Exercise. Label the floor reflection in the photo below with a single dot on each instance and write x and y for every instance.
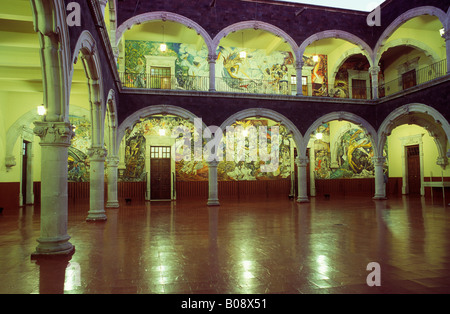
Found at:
(243, 246)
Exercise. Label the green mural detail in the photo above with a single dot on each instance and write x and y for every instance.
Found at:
(78, 162)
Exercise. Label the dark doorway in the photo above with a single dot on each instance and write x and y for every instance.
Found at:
(413, 160)
(160, 178)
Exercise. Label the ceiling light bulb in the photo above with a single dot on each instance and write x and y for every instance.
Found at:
(163, 47)
(41, 110)
(242, 54)
(319, 136)
(245, 133)
(162, 132)
(316, 58)
(442, 31)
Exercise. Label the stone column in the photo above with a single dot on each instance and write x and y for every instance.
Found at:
(299, 69)
(212, 72)
(302, 162)
(97, 187)
(213, 198)
(374, 75)
(446, 36)
(103, 4)
(380, 184)
(113, 163)
(55, 140)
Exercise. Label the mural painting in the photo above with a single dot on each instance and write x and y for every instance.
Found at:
(256, 73)
(78, 161)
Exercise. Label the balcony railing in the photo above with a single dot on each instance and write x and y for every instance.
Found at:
(283, 87)
(414, 78)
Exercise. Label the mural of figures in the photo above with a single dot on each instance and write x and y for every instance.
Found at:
(341, 83)
(256, 73)
(352, 157)
(192, 169)
(78, 161)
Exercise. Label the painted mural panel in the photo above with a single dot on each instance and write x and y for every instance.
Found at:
(352, 157)
(256, 73)
(78, 161)
(192, 169)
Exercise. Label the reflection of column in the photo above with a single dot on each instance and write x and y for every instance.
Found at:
(380, 184)
(212, 72)
(374, 75)
(97, 187)
(299, 68)
(55, 140)
(213, 198)
(52, 274)
(302, 162)
(446, 36)
(113, 163)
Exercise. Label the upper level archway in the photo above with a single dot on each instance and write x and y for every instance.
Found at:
(165, 16)
(256, 25)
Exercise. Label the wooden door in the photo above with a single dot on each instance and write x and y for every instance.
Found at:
(160, 178)
(413, 160)
(359, 89)
(409, 79)
(25, 154)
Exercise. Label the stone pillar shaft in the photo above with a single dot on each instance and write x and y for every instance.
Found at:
(97, 187)
(212, 72)
(302, 162)
(113, 163)
(213, 195)
(380, 184)
(55, 140)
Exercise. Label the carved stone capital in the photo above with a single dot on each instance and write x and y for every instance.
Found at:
(213, 163)
(112, 161)
(10, 161)
(97, 154)
(54, 133)
(442, 161)
(301, 161)
(378, 161)
(212, 58)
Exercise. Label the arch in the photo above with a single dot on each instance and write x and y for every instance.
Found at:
(164, 16)
(343, 115)
(341, 61)
(13, 133)
(338, 34)
(424, 10)
(409, 42)
(152, 110)
(266, 113)
(425, 116)
(87, 46)
(255, 25)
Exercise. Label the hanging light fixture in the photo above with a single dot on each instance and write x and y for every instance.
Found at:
(163, 46)
(319, 136)
(162, 132)
(442, 31)
(242, 54)
(315, 56)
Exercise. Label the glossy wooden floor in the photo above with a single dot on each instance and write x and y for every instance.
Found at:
(244, 246)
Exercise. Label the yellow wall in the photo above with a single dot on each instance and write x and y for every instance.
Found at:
(430, 153)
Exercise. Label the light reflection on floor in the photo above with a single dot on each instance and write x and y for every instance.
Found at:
(243, 246)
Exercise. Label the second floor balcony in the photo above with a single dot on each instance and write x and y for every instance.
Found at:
(355, 88)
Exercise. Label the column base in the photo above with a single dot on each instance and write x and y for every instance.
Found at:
(96, 216)
(213, 203)
(302, 200)
(53, 247)
(379, 197)
(112, 204)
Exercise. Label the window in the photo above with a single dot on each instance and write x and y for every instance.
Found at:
(160, 152)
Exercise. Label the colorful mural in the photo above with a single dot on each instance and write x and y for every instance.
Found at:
(341, 83)
(256, 73)
(353, 156)
(78, 162)
(197, 170)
